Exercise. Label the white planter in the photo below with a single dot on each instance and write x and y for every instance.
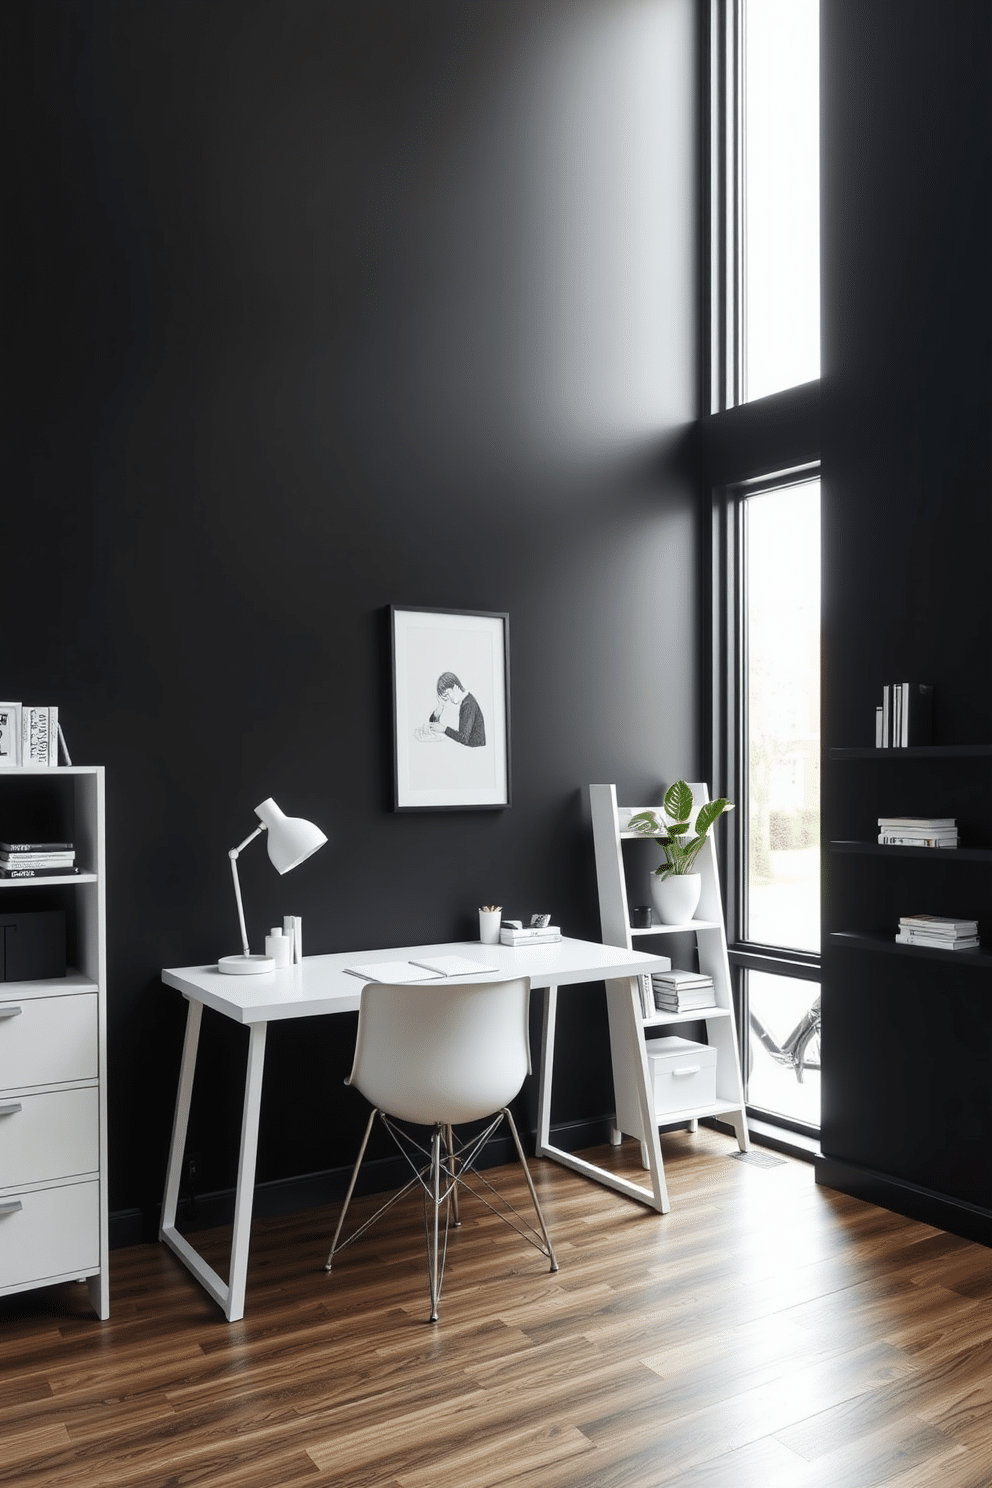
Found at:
(676, 897)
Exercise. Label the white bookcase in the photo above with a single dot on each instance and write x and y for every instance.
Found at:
(711, 946)
(53, 1062)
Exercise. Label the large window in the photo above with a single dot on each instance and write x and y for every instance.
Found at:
(779, 716)
(765, 316)
(780, 257)
(781, 737)
(765, 198)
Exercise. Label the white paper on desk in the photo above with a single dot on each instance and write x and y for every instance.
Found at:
(392, 971)
(450, 966)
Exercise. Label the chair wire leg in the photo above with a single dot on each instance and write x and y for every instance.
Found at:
(533, 1190)
(432, 1255)
(449, 1137)
(351, 1187)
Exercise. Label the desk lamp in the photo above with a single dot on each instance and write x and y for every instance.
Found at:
(291, 841)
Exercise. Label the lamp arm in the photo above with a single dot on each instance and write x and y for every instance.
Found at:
(233, 855)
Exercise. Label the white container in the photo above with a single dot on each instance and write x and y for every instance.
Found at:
(683, 1074)
(489, 923)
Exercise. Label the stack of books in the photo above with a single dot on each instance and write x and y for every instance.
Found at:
(36, 859)
(678, 991)
(527, 935)
(939, 931)
(918, 831)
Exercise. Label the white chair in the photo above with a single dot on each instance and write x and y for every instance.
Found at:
(437, 1055)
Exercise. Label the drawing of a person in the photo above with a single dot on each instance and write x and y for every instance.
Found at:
(471, 729)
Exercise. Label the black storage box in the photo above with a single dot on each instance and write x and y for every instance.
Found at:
(32, 945)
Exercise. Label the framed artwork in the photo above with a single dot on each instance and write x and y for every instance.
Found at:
(451, 709)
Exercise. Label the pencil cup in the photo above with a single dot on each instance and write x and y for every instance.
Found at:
(489, 923)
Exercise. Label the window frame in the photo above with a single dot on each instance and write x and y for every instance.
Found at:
(730, 734)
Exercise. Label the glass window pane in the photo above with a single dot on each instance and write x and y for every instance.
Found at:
(782, 732)
(781, 219)
(784, 1046)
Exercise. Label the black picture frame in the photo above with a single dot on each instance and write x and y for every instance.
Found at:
(451, 708)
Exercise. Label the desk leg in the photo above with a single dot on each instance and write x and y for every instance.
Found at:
(229, 1294)
(180, 1123)
(245, 1194)
(549, 1017)
(625, 1030)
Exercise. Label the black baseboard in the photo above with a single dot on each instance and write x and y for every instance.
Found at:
(943, 1212)
(310, 1190)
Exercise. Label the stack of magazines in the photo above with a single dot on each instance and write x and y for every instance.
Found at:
(37, 859)
(678, 991)
(939, 931)
(918, 831)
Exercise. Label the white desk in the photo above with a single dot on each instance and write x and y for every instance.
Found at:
(321, 985)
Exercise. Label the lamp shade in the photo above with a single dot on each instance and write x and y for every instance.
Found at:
(291, 839)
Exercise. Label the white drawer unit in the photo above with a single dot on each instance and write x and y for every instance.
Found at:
(53, 1053)
(683, 1074)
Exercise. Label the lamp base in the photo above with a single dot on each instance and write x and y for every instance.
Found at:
(245, 965)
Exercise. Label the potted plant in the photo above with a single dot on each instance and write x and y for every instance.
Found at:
(675, 888)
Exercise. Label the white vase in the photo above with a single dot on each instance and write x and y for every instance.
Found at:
(676, 897)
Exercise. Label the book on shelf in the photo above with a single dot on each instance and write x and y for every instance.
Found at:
(937, 942)
(7, 873)
(39, 735)
(679, 991)
(684, 1002)
(942, 932)
(893, 839)
(37, 860)
(919, 823)
(905, 718)
(676, 977)
(938, 924)
(36, 847)
(918, 831)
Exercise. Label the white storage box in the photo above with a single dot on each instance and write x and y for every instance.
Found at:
(683, 1074)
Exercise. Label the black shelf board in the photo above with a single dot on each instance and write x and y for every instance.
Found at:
(931, 854)
(884, 941)
(914, 751)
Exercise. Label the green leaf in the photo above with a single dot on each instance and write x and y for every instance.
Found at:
(678, 801)
(645, 821)
(709, 812)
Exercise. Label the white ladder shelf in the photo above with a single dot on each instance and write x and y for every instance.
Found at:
(630, 1067)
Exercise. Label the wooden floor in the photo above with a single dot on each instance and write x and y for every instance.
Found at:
(765, 1333)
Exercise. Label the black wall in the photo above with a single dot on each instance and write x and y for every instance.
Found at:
(907, 439)
(308, 310)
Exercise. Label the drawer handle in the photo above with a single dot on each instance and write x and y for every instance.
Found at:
(688, 1069)
(9, 1012)
(10, 1206)
(11, 1108)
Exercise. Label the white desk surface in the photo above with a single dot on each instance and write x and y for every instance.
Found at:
(322, 985)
